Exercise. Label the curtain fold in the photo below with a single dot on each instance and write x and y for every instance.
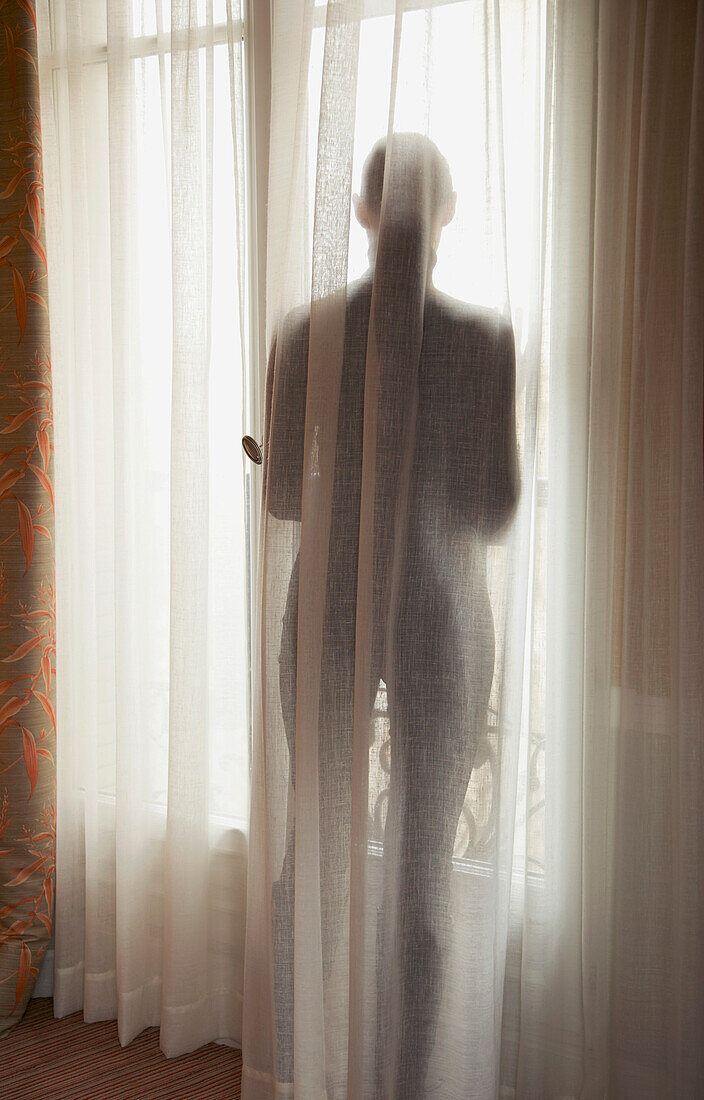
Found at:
(143, 114)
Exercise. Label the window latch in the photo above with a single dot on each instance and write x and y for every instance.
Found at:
(252, 449)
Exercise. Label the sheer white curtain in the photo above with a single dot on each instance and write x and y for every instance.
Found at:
(140, 105)
(559, 954)
(376, 963)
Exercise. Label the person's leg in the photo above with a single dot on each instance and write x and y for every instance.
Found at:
(438, 702)
(335, 721)
(282, 893)
(427, 814)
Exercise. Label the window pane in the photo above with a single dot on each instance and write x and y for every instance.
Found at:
(144, 14)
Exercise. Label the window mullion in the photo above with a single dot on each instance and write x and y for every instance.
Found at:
(148, 45)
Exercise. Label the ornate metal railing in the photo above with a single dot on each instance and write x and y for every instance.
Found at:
(476, 831)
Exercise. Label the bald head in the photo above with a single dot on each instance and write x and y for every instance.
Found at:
(417, 160)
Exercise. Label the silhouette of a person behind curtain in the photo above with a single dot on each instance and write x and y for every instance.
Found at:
(462, 491)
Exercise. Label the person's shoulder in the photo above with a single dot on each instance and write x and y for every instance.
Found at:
(478, 340)
(295, 327)
(475, 319)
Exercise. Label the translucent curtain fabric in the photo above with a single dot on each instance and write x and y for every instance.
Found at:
(611, 959)
(644, 768)
(558, 954)
(395, 559)
(141, 103)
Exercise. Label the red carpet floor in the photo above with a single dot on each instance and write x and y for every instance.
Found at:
(48, 1059)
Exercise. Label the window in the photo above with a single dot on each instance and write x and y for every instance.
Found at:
(131, 349)
(455, 31)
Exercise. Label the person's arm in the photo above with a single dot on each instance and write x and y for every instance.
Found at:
(501, 476)
(267, 417)
(285, 420)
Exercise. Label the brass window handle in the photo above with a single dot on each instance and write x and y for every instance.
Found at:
(252, 449)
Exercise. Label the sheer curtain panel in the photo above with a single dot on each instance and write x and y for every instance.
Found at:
(396, 832)
(476, 826)
(643, 917)
(142, 107)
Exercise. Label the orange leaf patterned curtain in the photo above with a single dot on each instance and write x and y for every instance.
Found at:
(27, 605)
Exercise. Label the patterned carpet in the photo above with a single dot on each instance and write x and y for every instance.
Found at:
(48, 1059)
